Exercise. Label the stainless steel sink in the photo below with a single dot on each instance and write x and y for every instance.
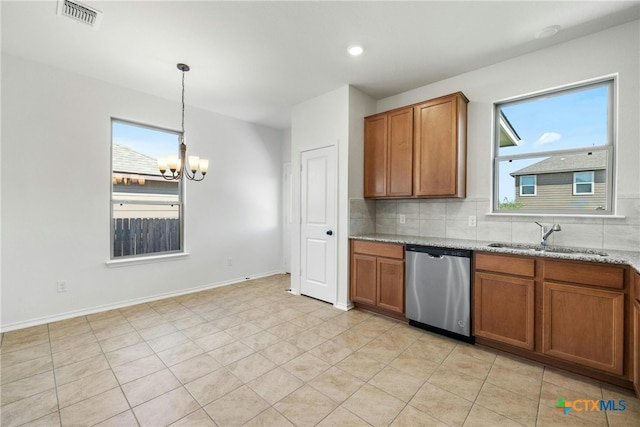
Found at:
(552, 249)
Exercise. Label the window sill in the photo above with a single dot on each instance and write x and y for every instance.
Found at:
(145, 260)
(555, 215)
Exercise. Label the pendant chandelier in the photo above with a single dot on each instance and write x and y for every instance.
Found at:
(177, 165)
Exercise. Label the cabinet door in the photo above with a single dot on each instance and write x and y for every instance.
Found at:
(636, 345)
(583, 325)
(375, 156)
(400, 154)
(363, 278)
(635, 314)
(504, 309)
(391, 284)
(439, 146)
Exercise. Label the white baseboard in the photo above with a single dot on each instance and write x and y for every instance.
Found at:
(343, 307)
(100, 308)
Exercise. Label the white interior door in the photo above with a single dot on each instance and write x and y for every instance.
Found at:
(318, 195)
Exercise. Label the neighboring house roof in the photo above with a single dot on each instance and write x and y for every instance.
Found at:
(508, 135)
(566, 163)
(127, 160)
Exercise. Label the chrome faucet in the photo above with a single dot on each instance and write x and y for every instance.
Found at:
(545, 233)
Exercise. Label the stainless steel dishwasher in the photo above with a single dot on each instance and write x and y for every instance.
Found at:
(438, 290)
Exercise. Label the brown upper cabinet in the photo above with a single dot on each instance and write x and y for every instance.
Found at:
(388, 154)
(440, 143)
(418, 150)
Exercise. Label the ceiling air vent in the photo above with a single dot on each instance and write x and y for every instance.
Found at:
(80, 13)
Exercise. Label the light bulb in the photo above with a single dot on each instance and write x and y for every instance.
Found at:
(204, 166)
(172, 161)
(162, 164)
(193, 163)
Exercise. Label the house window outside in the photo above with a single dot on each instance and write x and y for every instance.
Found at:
(556, 146)
(528, 185)
(583, 182)
(146, 209)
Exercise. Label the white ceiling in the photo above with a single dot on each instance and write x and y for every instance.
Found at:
(255, 60)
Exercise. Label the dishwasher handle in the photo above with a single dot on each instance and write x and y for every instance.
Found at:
(436, 252)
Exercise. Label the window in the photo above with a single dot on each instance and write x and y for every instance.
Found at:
(558, 147)
(528, 185)
(146, 209)
(583, 182)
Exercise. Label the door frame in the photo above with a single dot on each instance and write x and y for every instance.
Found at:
(287, 215)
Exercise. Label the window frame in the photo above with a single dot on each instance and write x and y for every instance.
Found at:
(151, 256)
(609, 81)
(592, 183)
(534, 185)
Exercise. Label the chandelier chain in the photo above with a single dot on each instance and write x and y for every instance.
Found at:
(179, 166)
(183, 103)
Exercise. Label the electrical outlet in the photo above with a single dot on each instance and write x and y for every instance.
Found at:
(229, 262)
(402, 218)
(61, 285)
(472, 221)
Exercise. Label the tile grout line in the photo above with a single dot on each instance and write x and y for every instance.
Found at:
(55, 378)
(182, 385)
(104, 354)
(230, 309)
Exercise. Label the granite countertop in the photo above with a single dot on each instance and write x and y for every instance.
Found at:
(631, 258)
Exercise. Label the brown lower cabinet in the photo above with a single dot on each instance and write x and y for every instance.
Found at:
(636, 331)
(504, 299)
(573, 315)
(504, 308)
(583, 325)
(377, 277)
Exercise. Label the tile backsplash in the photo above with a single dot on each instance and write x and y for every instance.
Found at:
(362, 216)
(450, 219)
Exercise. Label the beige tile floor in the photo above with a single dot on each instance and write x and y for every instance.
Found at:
(252, 354)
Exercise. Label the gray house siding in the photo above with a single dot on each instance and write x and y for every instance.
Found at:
(556, 189)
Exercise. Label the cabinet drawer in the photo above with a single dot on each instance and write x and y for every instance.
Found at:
(388, 250)
(636, 286)
(505, 264)
(595, 274)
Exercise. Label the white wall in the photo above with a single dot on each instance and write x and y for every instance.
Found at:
(55, 197)
(360, 106)
(286, 146)
(334, 119)
(610, 52)
(321, 122)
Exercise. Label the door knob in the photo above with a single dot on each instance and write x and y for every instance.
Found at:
(330, 233)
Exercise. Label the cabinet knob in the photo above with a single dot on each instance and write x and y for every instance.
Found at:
(330, 233)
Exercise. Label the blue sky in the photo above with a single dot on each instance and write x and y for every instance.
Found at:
(555, 122)
(152, 142)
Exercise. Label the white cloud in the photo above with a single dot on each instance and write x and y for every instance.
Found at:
(547, 138)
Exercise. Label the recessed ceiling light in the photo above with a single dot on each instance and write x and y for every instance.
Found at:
(355, 50)
(548, 32)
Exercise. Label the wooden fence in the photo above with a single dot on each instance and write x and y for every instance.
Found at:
(135, 236)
